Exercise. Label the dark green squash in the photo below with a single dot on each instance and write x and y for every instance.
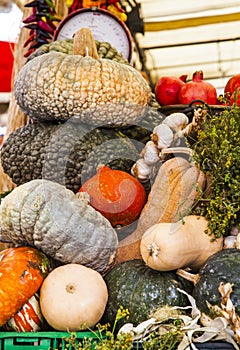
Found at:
(136, 287)
(223, 266)
(66, 153)
(104, 49)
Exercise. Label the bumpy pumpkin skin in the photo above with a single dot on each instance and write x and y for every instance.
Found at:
(65, 153)
(22, 271)
(223, 266)
(51, 218)
(140, 289)
(93, 91)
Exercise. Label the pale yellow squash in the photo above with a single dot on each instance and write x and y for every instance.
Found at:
(73, 297)
(185, 243)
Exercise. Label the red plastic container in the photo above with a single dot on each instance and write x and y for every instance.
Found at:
(6, 65)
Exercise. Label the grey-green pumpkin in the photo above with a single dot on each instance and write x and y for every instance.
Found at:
(92, 90)
(46, 215)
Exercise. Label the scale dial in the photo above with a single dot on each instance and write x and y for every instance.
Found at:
(105, 27)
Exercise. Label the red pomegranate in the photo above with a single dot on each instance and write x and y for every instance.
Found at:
(232, 85)
(167, 89)
(116, 194)
(235, 97)
(198, 89)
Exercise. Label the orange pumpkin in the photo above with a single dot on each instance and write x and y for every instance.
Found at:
(22, 271)
(116, 194)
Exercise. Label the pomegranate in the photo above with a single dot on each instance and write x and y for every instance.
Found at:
(235, 97)
(198, 89)
(167, 89)
(116, 194)
(232, 85)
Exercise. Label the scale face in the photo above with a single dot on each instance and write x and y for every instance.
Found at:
(105, 27)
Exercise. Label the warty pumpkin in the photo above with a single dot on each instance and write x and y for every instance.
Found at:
(22, 271)
(104, 50)
(175, 190)
(186, 243)
(66, 153)
(48, 216)
(81, 87)
(73, 297)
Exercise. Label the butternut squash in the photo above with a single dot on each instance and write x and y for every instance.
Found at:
(186, 243)
(175, 190)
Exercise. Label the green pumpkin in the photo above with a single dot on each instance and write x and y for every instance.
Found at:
(141, 290)
(223, 266)
(104, 49)
(64, 153)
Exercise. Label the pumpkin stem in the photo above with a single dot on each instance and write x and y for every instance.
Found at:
(84, 43)
(188, 276)
(153, 250)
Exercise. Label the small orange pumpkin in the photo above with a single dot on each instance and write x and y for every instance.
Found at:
(22, 270)
(116, 194)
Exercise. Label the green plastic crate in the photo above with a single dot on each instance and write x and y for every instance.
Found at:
(41, 340)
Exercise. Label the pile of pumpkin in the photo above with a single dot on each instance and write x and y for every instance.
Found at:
(68, 268)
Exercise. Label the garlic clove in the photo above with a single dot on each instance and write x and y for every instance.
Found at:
(162, 136)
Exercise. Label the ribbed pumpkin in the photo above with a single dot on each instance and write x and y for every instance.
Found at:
(82, 88)
(22, 271)
(141, 290)
(51, 218)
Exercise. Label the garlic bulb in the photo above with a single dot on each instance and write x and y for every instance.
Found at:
(162, 136)
(141, 170)
(229, 242)
(150, 153)
(176, 121)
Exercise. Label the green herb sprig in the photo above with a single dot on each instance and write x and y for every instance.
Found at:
(217, 151)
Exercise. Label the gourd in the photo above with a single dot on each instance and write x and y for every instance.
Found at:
(82, 88)
(116, 194)
(28, 318)
(22, 271)
(73, 297)
(140, 289)
(176, 188)
(66, 153)
(223, 266)
(185, 243)
(46, 215)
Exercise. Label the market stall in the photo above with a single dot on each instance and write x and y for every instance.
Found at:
(119, 209)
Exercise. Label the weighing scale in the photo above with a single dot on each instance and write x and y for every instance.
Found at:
(105, 27)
